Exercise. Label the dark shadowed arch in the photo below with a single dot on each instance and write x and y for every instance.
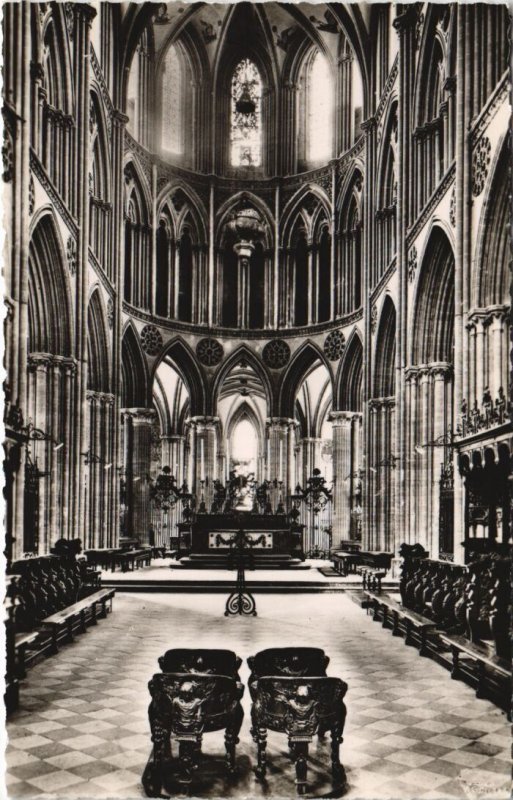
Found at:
(179, 354)
(49, 305)
(298, 369)
(135, 390)
(98, 362)
(433, 331)
(384, 359)
(349, 379)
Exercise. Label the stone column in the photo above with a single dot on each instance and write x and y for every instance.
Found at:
(289, 128)
(345, 465)
(173, 447)
(138, 423)
(498, 349)
(423, 473)
(440, 375)
(405, 24)
(204, 444)
(117, 259)
(369, 128)
(279, 465)
(343, 105)
(83, 17)
(480, 357)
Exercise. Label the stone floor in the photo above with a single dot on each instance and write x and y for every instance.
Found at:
(81, 730)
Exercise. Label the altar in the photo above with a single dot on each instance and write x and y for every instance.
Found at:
(274, 542)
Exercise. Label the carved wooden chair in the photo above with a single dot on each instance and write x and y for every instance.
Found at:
(185, 706)
(299, 708)
(292, 662)
(216, 662)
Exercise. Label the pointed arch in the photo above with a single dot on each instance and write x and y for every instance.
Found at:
(186, 364)
(384, 354)
(433, 308)
(245, 411)
(134, 371)
(299, 367)
(491, 278)
(349, 378)
(49, 296)
(305, 201)
(245, 199)
(349, 273)
(242, 353)
(98, 351)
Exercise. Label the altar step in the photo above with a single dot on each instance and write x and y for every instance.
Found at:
(260, 561)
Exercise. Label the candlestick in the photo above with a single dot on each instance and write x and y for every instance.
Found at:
(280, 473)
(202, 447)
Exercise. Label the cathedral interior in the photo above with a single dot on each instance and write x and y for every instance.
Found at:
(256, 338)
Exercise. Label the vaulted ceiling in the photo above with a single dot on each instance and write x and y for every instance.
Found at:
(278, 28)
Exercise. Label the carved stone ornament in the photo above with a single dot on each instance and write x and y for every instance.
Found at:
(276, 354)
(151, 340)
(480, 164)
(209, 351)
(7, 157)
(452, 209)
(334, 345)
(412, 264)
(110, 312)
(32, 196)
(71, 254)
(374, 318)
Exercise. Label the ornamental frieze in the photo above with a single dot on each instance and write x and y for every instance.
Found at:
(480, 164)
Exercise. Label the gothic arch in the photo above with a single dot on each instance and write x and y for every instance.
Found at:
(49, 296)
(100, 149)
(315, 197)
(135, 379)
(384, 354)
(244, 199)
(348, 396)
(56, 61)
(433, 51)
(98, 351)
(137, 186)
(190, 202)
(387, 157)
(433, 308)
(242, 352)
(491, 279)
(245, 411)
(186, 365)
(299, 367)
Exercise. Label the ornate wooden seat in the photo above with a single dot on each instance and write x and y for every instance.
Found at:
(184, 706)
(292, 662)
(299, 708)
(216, 662)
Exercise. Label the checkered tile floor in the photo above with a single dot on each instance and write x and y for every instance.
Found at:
(82, 730)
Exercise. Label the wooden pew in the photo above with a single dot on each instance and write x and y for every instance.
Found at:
(49, 599)
(373, 567)
(414, 627)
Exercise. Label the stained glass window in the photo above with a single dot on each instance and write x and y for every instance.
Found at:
(172, 93)
(246, 116)
(320, 110)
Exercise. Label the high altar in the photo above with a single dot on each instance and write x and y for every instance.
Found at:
(276, 541)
